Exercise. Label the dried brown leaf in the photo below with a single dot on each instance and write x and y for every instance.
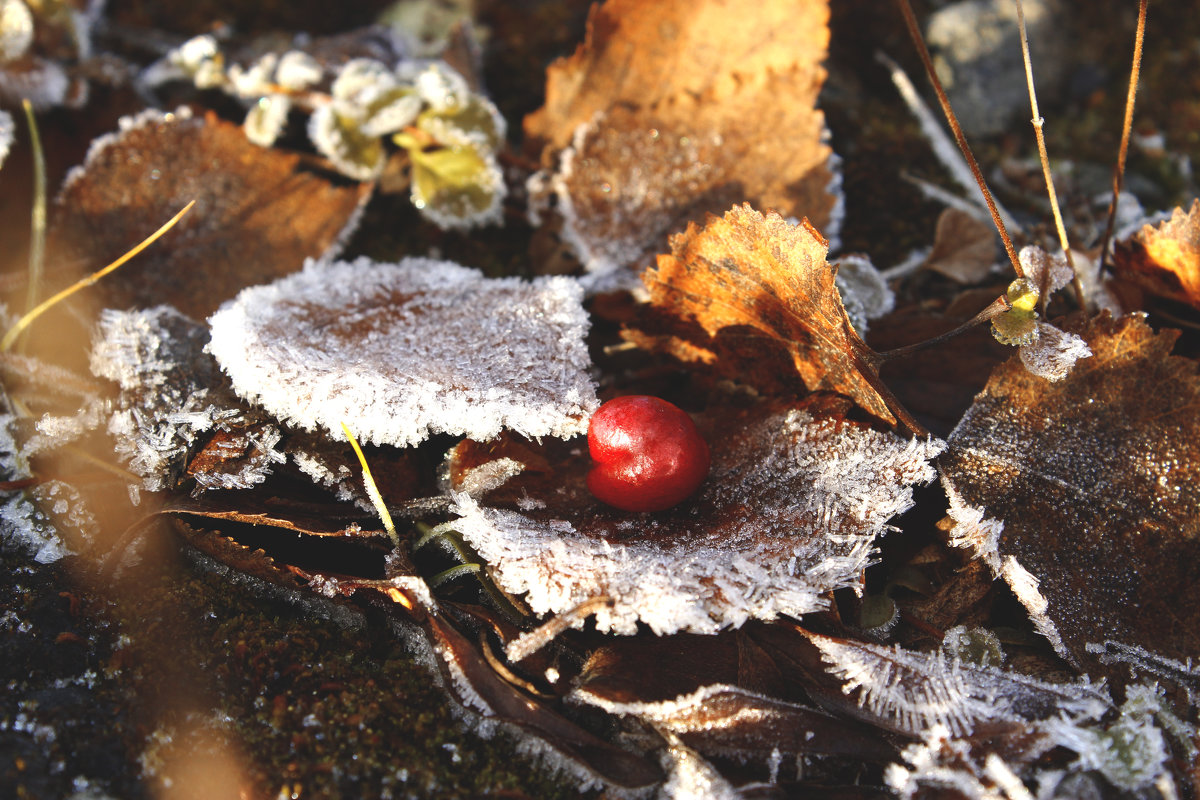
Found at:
(670, 110)
(1165, 260)
(1085, 494)
(756, 275)
(258, 213)
(964, 247)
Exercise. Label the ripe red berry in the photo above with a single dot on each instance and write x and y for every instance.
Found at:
(647, 454)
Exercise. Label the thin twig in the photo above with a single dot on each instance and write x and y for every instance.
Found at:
(1038, 123)
(914, 30)
(1130, 97)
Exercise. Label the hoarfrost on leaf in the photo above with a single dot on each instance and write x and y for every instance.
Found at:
(790, 511)
(401, 351)
(171, 393)
(1053, 352)
(864, 291)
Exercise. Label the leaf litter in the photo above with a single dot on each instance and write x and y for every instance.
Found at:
(737, 661)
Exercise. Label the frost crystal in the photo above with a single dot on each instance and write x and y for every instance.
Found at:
(791, 510)
(171, 393)
(1053, 352)
(401, 351)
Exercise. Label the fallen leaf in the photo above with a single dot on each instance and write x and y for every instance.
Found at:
(401, 351)
(1165, 260)
(258, 213)
(1084, 495)
(790, 511)
(964, 247)
(757, 278)
(660, 117)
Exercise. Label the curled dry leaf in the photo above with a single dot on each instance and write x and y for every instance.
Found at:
(1084, 494)
(964, 247)
(669, 110)
(400, 351)
(750, 277)
(258, 213)
(790, 511)
(1165, 260)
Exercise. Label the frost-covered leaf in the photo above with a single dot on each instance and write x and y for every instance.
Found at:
(258, 214)
(864, 291)
(1165, 259)
(670, 110)
(400, 351)
(266, 118)
(1053, 352)
(457, 187)
(1084, 494)
(341, 140)
(790, 511)
(750, 277)
(172, 395)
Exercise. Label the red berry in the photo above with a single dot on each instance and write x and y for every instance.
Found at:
(647, 454)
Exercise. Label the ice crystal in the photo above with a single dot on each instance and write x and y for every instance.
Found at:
(171, 393)
(791, 510)
(918, 692)
(401, 351)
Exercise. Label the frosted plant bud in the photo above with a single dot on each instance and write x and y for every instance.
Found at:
(266, 118)
(297, 70)
(16, 29)
(1053, 352)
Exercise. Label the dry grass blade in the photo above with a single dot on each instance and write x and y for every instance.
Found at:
(1126, 129)
(24, 322)
(1038, 122)
(372, 489)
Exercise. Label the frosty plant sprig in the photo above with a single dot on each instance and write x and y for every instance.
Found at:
(425, 108)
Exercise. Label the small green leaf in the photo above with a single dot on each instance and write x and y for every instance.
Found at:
(473, 123)
(877, 613)
(340, 140)
(455, 186)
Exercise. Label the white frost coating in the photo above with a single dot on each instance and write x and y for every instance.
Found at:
(865, 293)
(266, 118)
(143, 119)
(401, 351)
(21, 521)
(980, 534)
(1053, 352)
(679, 715)
(16, 29)
(842, 487)
(345, 147)
(691, 777)
(297, 70)
(7, 135)
(919, 691)
(835, 189)
(1041, 268)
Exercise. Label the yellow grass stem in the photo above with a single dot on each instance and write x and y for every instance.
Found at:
(372, 489)
(24, 322)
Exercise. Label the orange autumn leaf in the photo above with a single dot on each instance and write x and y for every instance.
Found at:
(750, 276)
(1165, 260)
(672, 110)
